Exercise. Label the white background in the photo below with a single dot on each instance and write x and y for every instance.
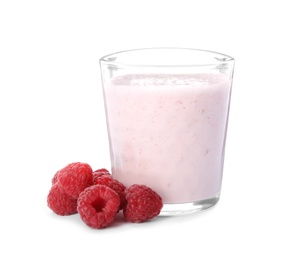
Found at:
(52, 114)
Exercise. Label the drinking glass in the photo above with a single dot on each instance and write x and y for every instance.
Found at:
(167, 112)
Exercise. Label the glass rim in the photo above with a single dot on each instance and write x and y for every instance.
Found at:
(110, 60)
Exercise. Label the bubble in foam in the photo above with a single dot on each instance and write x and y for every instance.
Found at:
(153, 80)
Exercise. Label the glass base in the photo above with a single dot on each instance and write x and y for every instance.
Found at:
(188, 208)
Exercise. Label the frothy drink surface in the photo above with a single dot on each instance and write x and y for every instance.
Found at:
(168, 132)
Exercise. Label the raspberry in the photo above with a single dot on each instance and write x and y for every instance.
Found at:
(142, 203)
(74, 178)
(61, 203)
(115, 185)
(98, 205)
(100, 172)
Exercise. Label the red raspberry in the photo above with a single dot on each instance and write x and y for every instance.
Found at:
(61, 203)
(100, 172)
(142, 203)
(115, 185)
(98, 205)
(74, 178)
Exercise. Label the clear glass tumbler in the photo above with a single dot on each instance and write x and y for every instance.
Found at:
(167, 112)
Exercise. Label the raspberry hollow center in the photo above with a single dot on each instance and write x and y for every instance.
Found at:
(99, 204)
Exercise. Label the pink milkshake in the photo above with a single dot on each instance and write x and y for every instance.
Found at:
(168, 131)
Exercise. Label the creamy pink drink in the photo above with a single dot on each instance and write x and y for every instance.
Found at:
(168, 132)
